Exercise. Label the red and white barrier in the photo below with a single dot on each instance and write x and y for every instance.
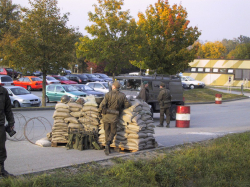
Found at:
(218, 98)
(182, 117)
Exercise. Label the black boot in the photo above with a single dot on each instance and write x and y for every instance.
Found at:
(168, 126)
(107, 148)
(159, 125)
(4, 173)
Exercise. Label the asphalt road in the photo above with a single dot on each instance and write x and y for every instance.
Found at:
(207, 121)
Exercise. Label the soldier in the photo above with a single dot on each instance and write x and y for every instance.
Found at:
(164, 99)
(111, 106)
(144, 93)
(5, 111)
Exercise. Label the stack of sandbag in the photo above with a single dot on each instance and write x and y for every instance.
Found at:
(60, 127)
(73, 121)
(90, 115)
(137, 127)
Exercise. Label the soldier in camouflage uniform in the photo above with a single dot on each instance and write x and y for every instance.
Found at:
(164, 99)
(5, 111)
(111, 106)
(144, 93)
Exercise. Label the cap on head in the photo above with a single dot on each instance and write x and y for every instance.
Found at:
(145, 82)
(65, 99)
(117, 84)
(162, 84)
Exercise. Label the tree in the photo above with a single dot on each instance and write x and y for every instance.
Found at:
(45, 43)
(230, 44)
(8, 29)
(242, 51)
(167, 38)
(212, 50)
(243, 39)
(111, 36)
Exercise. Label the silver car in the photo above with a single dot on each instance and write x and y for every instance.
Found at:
(6, 80)
(20, 97)
(99, 86)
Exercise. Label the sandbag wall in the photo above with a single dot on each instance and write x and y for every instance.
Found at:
(74, 116)
(135, 129)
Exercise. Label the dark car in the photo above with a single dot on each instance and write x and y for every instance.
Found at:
(93, 78)
(88, 90)
(8, 71)
(63, 79)
(79, 78)
(102, 76)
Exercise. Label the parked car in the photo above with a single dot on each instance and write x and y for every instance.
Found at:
(79, 78)
(184, 85)
(88, 90)
(192, 83)
(93, 78)
(66, 71)
(29, 83)
(6, 80)
(20, 97)
(51, 80)
(105, 77)
(8, 71)
(63, 79)
(54, 92)
(99, 86)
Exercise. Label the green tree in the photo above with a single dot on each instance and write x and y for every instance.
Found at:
(168, 38)
(230, 45)
(45, 42)
(111, 35)
(8, 29)
(243, 39)
(242, 51)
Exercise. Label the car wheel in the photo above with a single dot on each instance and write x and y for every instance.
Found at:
(173, 112)
(191, 86)
(47, 99)
(29, 88)
(16, 104)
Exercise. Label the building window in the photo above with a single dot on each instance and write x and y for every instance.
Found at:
(215, 70)
(200, 69)
(193, 69)
(207, 70)
(246, 74)
(230, 71)
(238, 74)
(223, 70)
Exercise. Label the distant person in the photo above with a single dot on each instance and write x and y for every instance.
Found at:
(5, 112)
(164, 99)
(144, 93)
(111, 106)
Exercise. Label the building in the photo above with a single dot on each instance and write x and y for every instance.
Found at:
(220, 72)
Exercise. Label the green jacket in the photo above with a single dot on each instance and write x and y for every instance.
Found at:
(144, 94)
(5, 107)
(114, 100)
(164, 98)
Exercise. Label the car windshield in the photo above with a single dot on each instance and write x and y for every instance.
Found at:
(83, 76)
(190, 79)
(19, 91)
(91, 76)
(36, 79)
(9, 69)
(62, 78)
(50, 78)
(103, 76)
(106, 85)
(69, 88)
(6, 79)
(85, 88)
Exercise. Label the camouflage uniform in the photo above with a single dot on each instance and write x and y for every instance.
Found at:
(164, 99)
(5, 111)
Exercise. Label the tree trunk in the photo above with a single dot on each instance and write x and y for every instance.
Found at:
(44, 88)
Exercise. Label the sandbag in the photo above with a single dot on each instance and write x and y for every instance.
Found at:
(90, 101)
(63, 110)
(61, 105)
(74, 105)
(58, 121)
(60, 125)
(76, 114)
(74, 109)
(61, 114)
(89, 120)
(71, 120)
(91, 114)
(138, 135)
(44, 142)
(89, 108)
(75, 125)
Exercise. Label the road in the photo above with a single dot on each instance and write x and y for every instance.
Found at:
(207, 121)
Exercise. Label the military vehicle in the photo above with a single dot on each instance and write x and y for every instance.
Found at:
(131, 86)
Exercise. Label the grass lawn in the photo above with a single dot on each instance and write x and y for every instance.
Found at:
(206, 95)
(219, 162)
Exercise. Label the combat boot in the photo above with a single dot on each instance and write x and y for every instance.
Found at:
(159, 125)
(107, 148)
(168, 126)
(4, 173)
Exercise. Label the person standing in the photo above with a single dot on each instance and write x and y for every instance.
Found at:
(5, 111)
(144, 93)
(111, 106)
(164, 99)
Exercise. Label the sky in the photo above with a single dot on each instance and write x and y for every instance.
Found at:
(216, 19)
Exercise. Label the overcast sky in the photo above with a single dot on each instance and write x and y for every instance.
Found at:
(216, 19)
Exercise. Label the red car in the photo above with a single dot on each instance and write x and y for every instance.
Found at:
(63, 79)
(29, 82)
(8, 71)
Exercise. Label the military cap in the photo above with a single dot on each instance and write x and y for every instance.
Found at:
(162, 84)
(145, 82)
(117, 84)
